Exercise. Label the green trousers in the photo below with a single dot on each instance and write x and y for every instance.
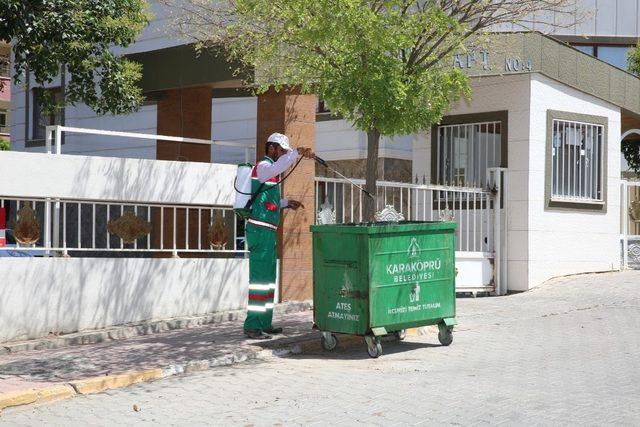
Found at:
(262, 276)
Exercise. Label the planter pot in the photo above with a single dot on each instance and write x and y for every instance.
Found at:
(634, 211)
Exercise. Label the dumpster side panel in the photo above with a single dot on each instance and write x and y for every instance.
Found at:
(412, 278)
(340, 291)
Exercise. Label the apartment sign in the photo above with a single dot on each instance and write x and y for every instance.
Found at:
(481, 60)
(472, 59)
(517, 64)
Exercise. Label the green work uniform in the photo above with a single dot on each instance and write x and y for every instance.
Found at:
(261, 240)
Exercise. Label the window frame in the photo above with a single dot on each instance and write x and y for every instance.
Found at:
(558, 203)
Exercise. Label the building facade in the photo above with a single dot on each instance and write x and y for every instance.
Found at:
(551, 110)
(5, 91)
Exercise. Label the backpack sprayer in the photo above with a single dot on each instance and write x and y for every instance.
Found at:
(242, 185)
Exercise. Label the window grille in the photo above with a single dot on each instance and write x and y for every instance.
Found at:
(465, 152)
(577, 161)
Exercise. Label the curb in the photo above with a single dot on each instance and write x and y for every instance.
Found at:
(102, 383)
(41, 395)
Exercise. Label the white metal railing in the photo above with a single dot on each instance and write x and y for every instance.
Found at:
(471, 208)
(479, 213)
(76, 227)
(53, 138)
(630, 223)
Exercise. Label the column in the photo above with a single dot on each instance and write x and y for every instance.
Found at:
(293, 114)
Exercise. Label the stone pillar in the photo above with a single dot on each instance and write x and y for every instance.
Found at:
(293, 114)
(184, 112)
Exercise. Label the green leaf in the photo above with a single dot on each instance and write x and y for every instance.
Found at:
(78, 34)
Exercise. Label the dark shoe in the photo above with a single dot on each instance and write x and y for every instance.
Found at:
(256, 334)
(273, 331)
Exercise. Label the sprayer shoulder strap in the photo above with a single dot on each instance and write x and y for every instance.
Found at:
(263, 184)
(260, 189)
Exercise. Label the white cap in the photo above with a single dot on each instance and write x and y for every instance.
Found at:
(281, 140)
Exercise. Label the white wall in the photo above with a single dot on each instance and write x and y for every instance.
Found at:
(567, 242)
(509, 93)
(39, 295)
(544, 243)
(42, 295)
(119, 179)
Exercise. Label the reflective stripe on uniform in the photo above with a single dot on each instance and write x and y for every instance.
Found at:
(262, 224)
(265, 287)
(260, 308)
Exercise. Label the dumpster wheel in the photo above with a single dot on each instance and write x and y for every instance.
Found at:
(374, 346)
(445, 336)
(328, 341)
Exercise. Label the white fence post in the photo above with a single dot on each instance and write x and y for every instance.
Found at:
(58, 139)
(47, 226)
(47, 137)
(624, 214)
(50, 130)
(497, 179)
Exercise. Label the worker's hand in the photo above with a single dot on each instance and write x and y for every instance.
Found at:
(294, 204)
(306, 152)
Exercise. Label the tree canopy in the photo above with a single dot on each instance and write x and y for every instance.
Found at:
(383, 65)
(631, 149)
(79, 35)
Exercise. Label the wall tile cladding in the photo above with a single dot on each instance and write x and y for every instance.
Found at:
(561, 62)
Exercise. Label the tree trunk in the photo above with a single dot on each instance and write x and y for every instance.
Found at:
(373, 143)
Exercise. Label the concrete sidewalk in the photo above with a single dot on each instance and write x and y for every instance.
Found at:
(45, 375)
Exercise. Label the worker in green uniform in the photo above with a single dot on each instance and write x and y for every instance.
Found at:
(261, 230)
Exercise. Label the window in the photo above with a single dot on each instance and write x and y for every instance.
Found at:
(5, 66)
(4, 122)
(576, 161)
(42, 119)
(614, 55)
(321, 107)
(464, 152)
(589, 50)
(323, 112)
(611, 54)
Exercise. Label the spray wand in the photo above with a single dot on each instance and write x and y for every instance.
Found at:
(324, 163)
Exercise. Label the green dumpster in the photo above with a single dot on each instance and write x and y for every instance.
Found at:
(379, 279)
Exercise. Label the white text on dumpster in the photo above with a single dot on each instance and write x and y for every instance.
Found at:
(342, 312)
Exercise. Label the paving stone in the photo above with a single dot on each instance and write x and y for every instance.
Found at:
(567, 353)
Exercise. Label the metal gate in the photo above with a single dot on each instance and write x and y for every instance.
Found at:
(479, 213)
(630, 224)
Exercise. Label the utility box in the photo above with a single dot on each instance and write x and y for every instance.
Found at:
(382, 278)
